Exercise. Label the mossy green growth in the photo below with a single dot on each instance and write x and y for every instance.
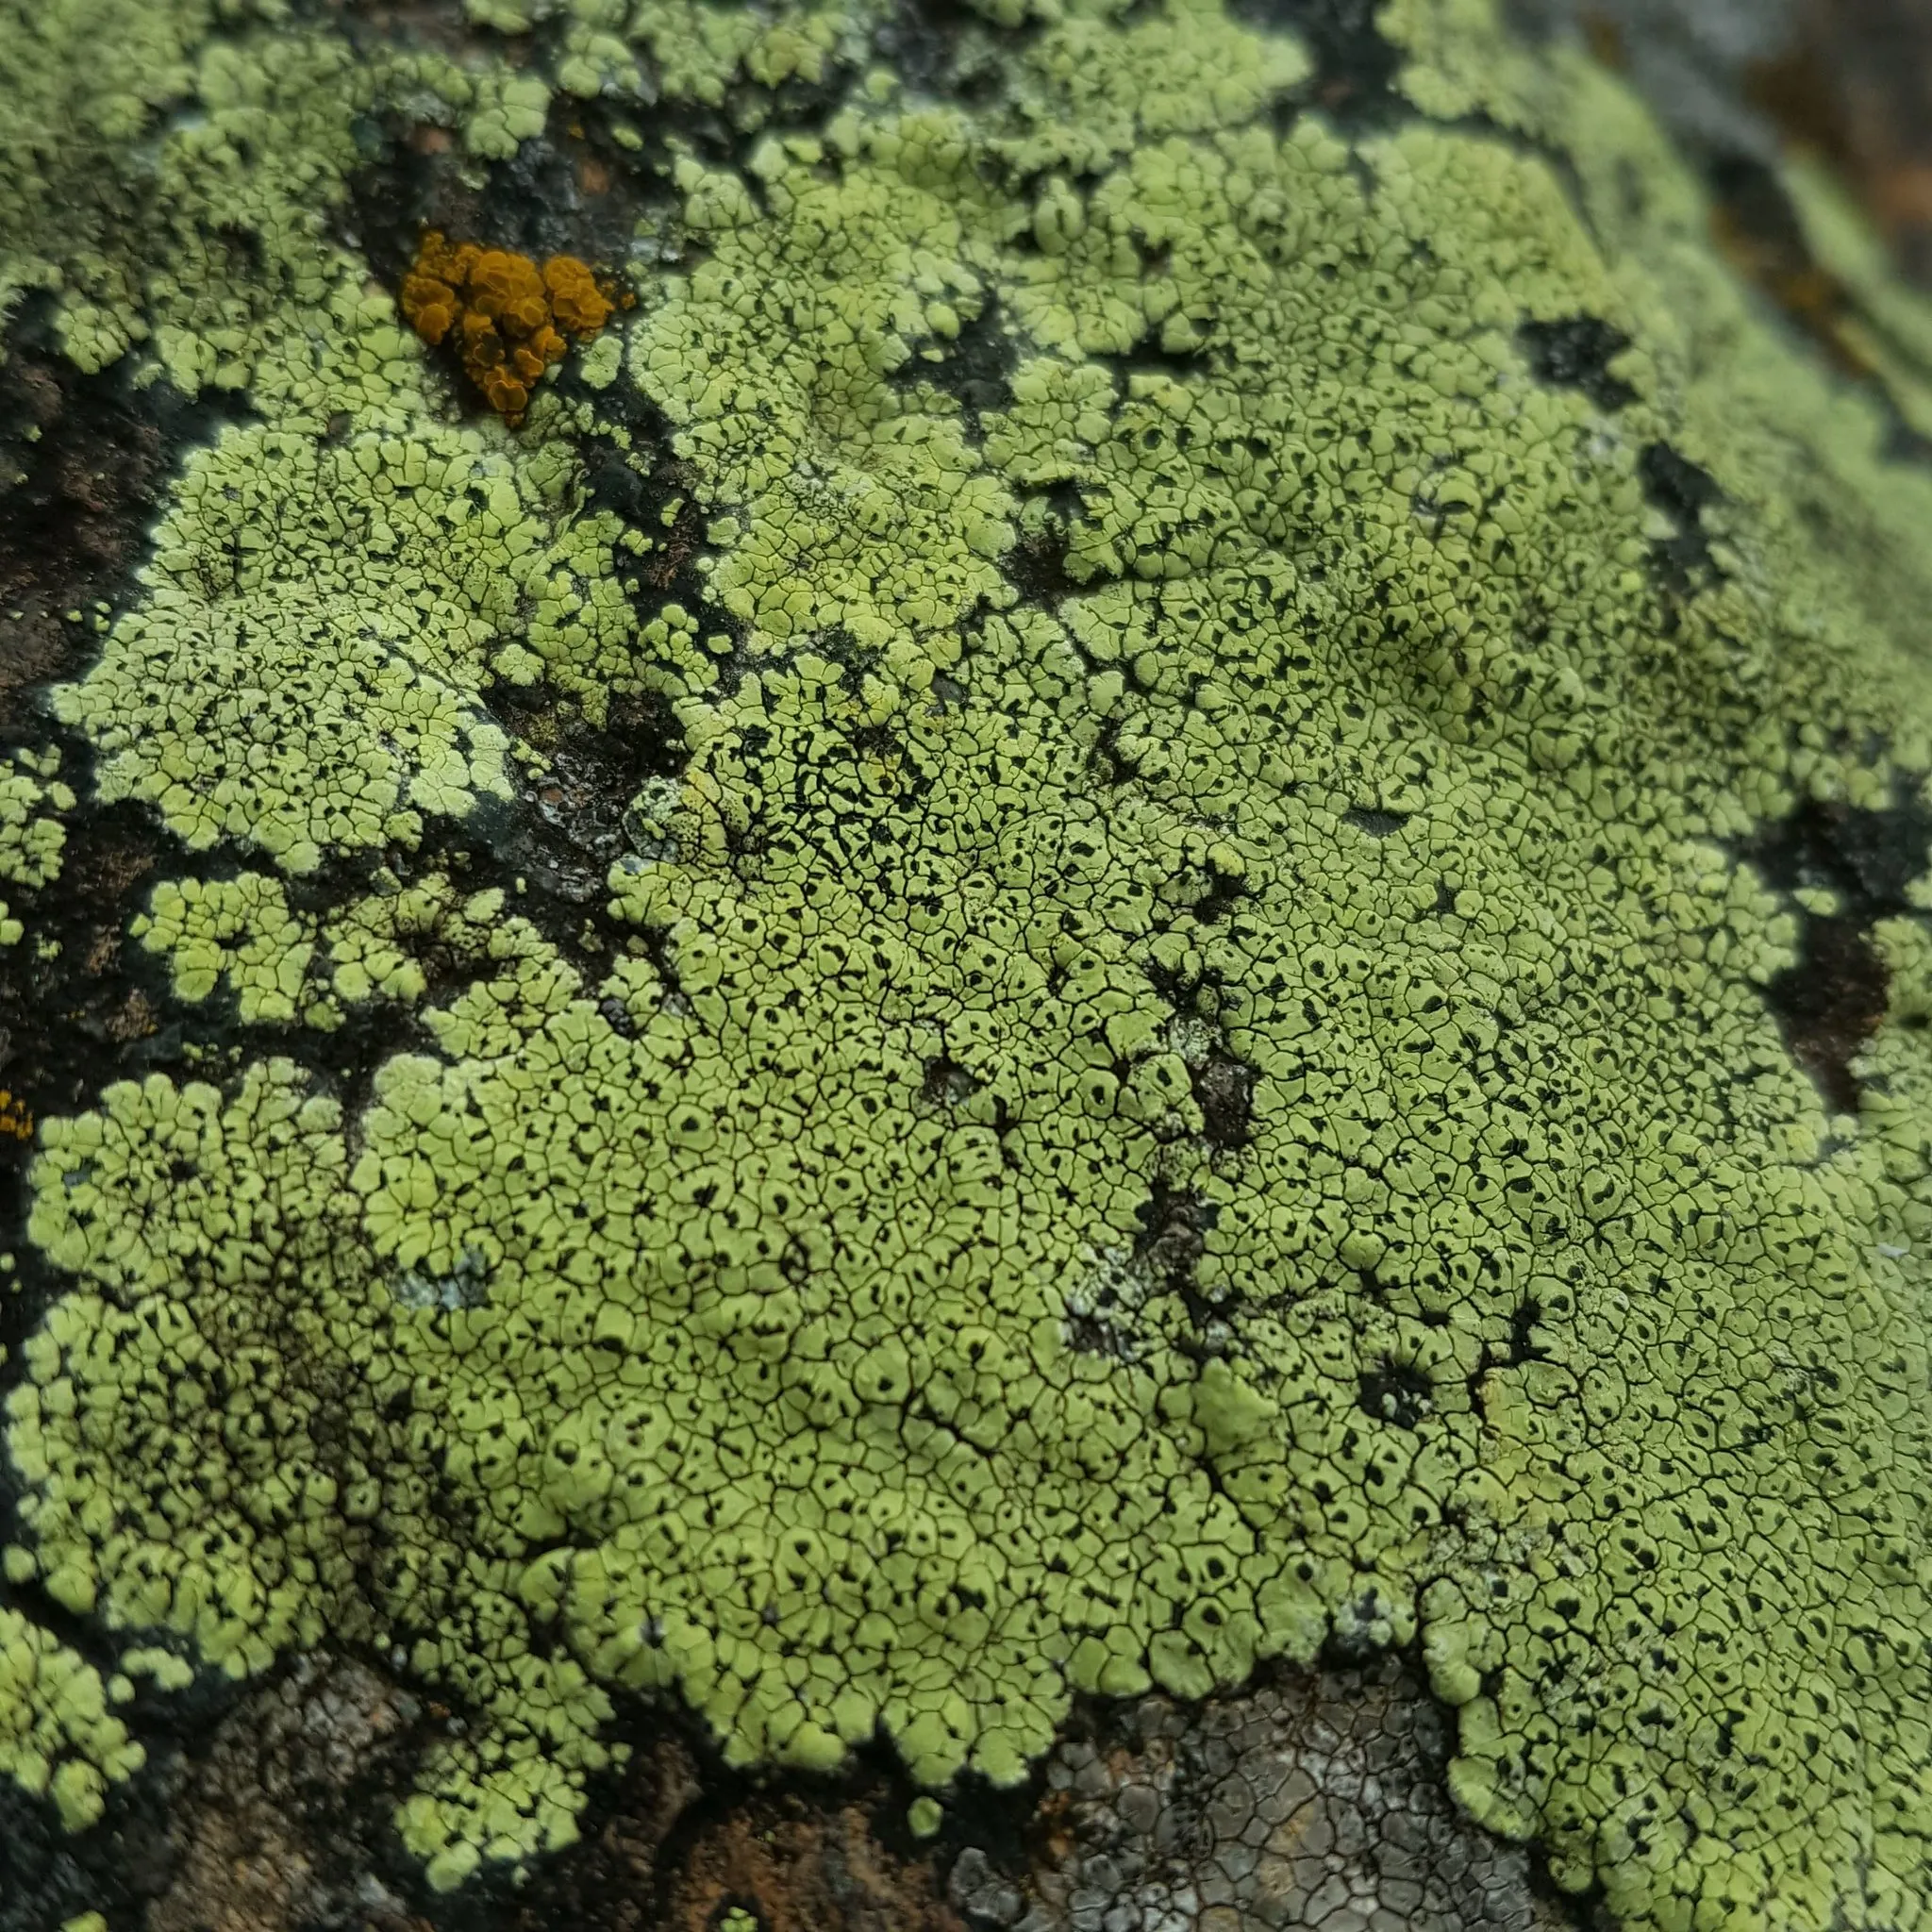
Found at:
(505, 109)
(335, 581)
(80, 83)
(688, 50)
(301, 678)
(32, 803)
(1200, 1076)
(321, 688)
(1886, 324)
(56, 1735)
(238, 929)
(282, 964)
(151, 166)
(169, 1669)
(167, 167)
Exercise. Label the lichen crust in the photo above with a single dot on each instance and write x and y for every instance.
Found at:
(1195, 1078)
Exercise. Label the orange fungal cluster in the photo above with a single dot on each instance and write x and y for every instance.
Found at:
(508, 316)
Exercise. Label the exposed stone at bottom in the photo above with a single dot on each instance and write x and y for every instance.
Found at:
(268, 1830)
(1312, 1801)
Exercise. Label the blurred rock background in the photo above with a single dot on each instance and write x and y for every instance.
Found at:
(1848, 82)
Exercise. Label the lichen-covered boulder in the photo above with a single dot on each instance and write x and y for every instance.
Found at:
(1261, 981)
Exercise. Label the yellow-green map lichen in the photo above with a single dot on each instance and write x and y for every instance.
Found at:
(57, 1734)
(281, 964)
(32, 798)
(1196, 1071)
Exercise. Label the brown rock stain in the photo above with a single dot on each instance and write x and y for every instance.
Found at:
(805, 1874)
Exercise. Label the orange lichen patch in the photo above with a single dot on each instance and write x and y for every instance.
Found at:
(505, 317)
(14, 1119)
(575, 300)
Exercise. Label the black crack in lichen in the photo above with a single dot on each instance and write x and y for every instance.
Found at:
(940, 49)
(1173, 1237)
(974, 367)
(1037, 563)
(1396, 1392)
(1683, 491)
(1373, 820)
(1224, 1088)
(571, 825)
(77, 1007)
(1831, 1000)
(1353, 83)
(84, 461)
(1575, 352)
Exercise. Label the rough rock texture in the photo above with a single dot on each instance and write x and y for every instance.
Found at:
(1792, 111)
(263, 1829)
(1313, 1801)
